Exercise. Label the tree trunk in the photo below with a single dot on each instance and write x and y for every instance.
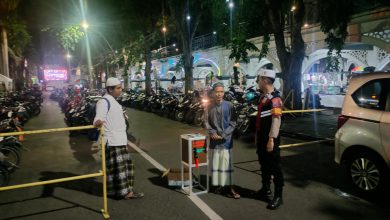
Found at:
(90, 79)
(186, 30)
(290, 61)
(19, 80)
(297, 55)
(4, 65)
(188, 65)
(126, 77)
(148, 70)
(27, 76)
(235, 75)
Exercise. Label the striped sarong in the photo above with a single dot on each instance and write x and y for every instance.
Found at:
(120, 171)
(222, 167)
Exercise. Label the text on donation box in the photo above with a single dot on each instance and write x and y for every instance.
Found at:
(198, 151)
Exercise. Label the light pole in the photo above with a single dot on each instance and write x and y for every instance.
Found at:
(293, 8)
(231, 6)
(68, 56)
(164, 30)
(85, 25)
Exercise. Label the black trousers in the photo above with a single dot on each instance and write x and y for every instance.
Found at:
(271, 166)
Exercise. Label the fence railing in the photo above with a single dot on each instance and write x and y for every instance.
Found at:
(101, 172)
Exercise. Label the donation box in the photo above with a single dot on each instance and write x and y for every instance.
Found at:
(194, 158)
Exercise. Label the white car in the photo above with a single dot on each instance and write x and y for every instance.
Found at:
(362, 141)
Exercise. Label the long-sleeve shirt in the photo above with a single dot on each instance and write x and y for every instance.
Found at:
(218, 120)
(114, 121)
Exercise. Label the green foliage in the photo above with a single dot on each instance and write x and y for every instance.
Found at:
(246, 21)
(264, 46)
(332, 62)
(135, 50)
(334, 17)
(130, 54)
(6, 7)
(70, 36)
(180, 64)
(239, 49)
(18, 37)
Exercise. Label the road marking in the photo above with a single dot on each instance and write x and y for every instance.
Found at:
(305, 143)
(205, 208)
(147, 157)
(194, 198)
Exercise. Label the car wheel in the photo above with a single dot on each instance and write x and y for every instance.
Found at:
(366, 172)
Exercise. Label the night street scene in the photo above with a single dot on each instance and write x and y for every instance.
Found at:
(195, 109)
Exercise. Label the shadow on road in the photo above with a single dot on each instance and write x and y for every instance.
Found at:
(82, 147)
(303, 165)
(90, 185)
(162, 182)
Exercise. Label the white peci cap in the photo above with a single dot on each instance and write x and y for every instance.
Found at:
(267, 73)
(112, 81)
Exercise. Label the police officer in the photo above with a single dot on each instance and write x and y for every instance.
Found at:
(268, 139)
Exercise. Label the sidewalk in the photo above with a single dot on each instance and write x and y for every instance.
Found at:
(318, 125)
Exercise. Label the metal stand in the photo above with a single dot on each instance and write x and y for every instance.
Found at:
(193, 148)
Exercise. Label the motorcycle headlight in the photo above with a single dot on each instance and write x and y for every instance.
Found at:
(250, 96)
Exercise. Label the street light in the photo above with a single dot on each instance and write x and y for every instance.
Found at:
(164, 30)
(188, 17)
(85, 25)
(293, 8)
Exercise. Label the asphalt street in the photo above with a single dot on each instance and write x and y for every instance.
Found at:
(315, 186)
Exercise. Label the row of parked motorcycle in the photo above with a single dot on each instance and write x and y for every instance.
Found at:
(16, 109)
(189, 108)
(80, 109)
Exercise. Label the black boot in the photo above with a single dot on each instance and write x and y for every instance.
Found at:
(277, 200)
(264, 193)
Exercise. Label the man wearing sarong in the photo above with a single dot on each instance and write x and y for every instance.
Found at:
(120, 168)
(220, 126)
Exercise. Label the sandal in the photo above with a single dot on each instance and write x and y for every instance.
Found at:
(233, 194)
(134, 195)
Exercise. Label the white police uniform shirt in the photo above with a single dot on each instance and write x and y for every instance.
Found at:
(114, 121)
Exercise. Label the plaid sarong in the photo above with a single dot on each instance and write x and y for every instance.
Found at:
(120, 171)
(222, 167)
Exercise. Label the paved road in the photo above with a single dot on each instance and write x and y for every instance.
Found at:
(315, 186)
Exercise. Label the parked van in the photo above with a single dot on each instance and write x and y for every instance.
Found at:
(362, 141)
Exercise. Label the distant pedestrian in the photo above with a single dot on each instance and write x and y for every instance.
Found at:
(268, 139)
(173, 80)
(120, 168)
(220, 125)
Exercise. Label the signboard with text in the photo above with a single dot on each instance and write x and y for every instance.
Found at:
(55, 74)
